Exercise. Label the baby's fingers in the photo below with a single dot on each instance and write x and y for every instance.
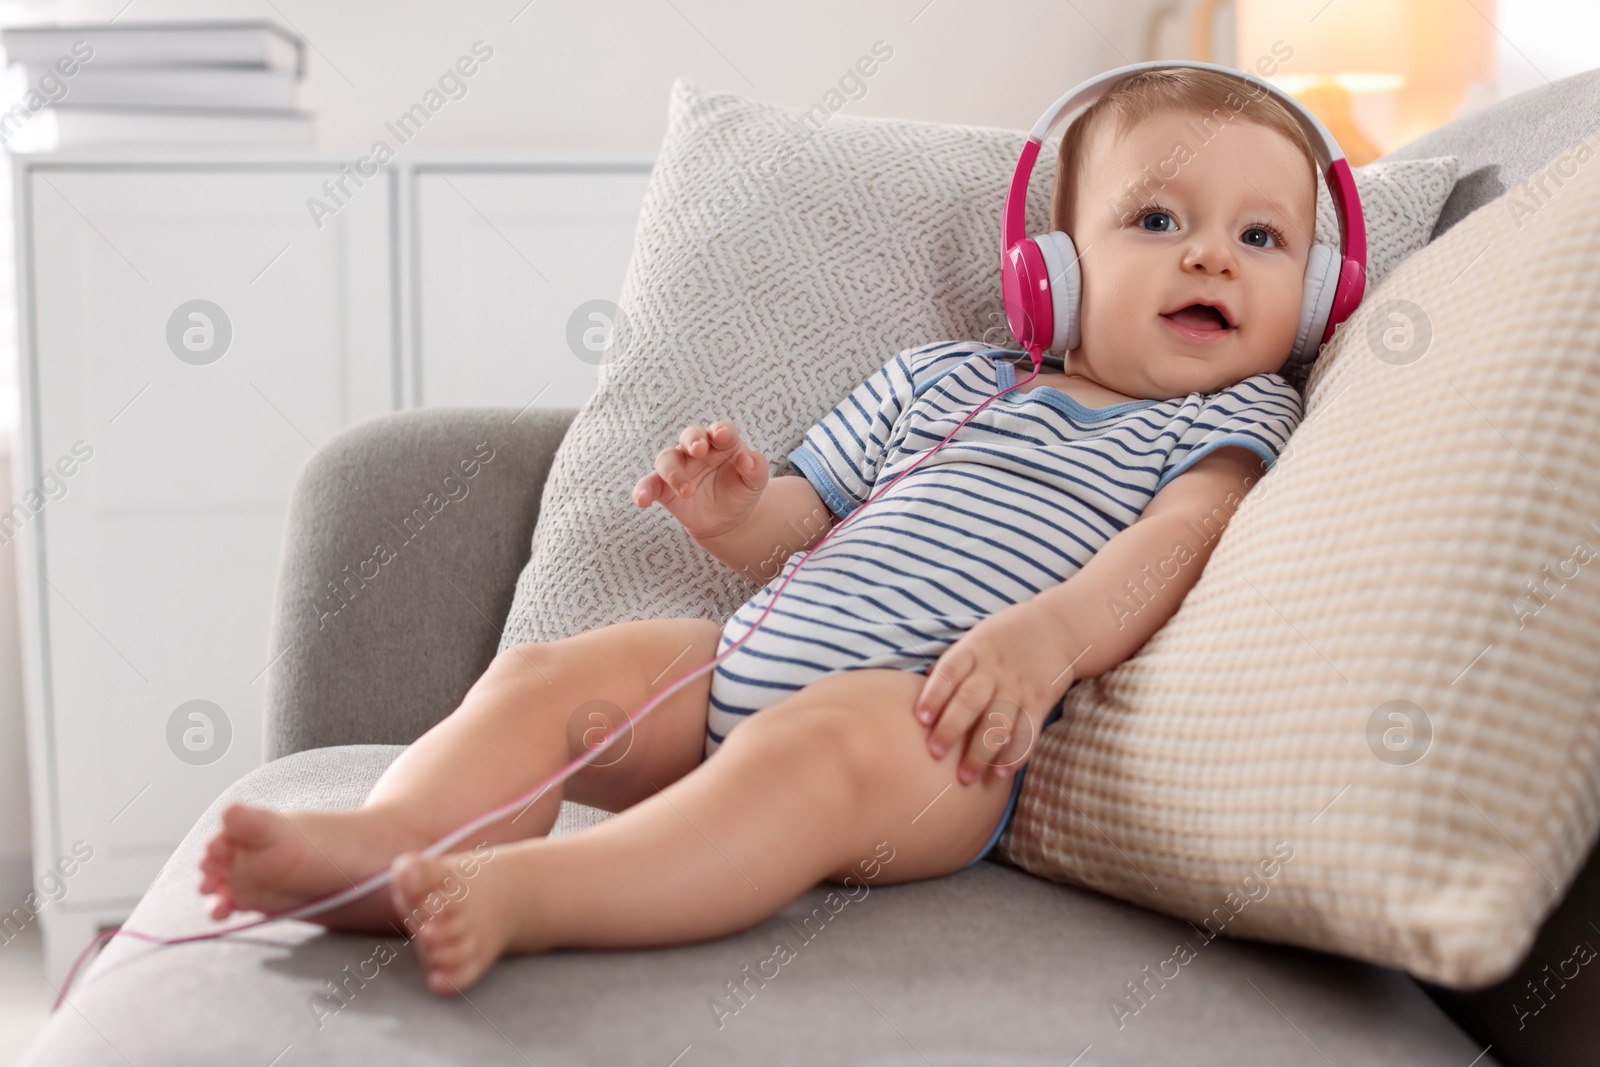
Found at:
(942, 678)
(670, 469)
(964, 707)
(993, 745)
(648, 489)
(725, 436)
(694, 441)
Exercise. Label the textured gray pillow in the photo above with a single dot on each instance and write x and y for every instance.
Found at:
(1400, 202)
(775, 266)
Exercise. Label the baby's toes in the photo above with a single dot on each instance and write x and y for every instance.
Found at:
(446, 936)
(443, 952)
(453, 965)
(412, 879)
(429, 941)
(216, 861)
(218, 854)
(213, 877)
(223, 906)
(443, 939)
(443, 982)
(440, 951)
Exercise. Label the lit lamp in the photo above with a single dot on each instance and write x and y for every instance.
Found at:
(1378, 73)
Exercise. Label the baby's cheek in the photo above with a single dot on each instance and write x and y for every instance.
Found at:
(1108, 309)
(1280, 318)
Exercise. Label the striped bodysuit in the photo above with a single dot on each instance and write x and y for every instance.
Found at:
(1016, 502)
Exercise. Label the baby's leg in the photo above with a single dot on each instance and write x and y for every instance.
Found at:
(833, 781)
(534, 709)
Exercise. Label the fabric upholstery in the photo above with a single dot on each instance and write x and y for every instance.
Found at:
(990, 967)
(397, 571)
(1366, 668)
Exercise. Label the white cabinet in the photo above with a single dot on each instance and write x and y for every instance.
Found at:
(189, 338)
(502, 258)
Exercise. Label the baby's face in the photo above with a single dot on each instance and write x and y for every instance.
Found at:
(1230, 229)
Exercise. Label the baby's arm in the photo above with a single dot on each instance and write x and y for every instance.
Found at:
(1029, 654)
(717, 487)
(1162, 553)
(788, 518)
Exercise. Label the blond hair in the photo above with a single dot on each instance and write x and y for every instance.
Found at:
(1214, 98)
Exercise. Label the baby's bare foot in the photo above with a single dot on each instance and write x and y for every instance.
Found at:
(458, 916)
(265, 860)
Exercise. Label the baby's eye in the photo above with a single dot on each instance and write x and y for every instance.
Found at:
(1157, 221)
(1259, 237)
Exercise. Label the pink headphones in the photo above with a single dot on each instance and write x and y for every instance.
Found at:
(1039, 277)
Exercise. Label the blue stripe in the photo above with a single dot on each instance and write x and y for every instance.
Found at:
(1089, 486)
(888, 617)
(758, 683)
(876, 584)
(1044, 469)
(961, 446)
(791, 635)
(1121, 434)
(941, 545)
(1044, 502)
(979, 517)
(803, 618)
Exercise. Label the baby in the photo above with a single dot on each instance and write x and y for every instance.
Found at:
(921, 648)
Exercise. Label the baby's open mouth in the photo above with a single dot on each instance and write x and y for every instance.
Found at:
(1198, 317)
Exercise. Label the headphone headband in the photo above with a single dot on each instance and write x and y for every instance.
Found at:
(1335, 169)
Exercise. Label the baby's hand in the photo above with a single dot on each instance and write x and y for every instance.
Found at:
(710, 480)
(989, 693)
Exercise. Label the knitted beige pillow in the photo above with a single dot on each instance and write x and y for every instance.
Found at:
(1372, 727)
(781, 257)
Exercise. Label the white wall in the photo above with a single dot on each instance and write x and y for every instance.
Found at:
(594, 77)
(1546, 40)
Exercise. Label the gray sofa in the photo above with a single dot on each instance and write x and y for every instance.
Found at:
(988, 966)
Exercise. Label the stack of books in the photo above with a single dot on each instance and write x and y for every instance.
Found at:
(154, 84)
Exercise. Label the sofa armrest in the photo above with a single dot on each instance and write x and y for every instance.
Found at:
(401, 551)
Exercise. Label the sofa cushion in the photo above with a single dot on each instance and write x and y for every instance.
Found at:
(1399, 202)
(1388, 662)
(986, 967)
(765, 300)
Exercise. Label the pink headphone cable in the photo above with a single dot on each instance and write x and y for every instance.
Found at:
(381, 878)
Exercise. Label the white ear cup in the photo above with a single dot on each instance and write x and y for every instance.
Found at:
(1066, 287)
(1316, 301)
